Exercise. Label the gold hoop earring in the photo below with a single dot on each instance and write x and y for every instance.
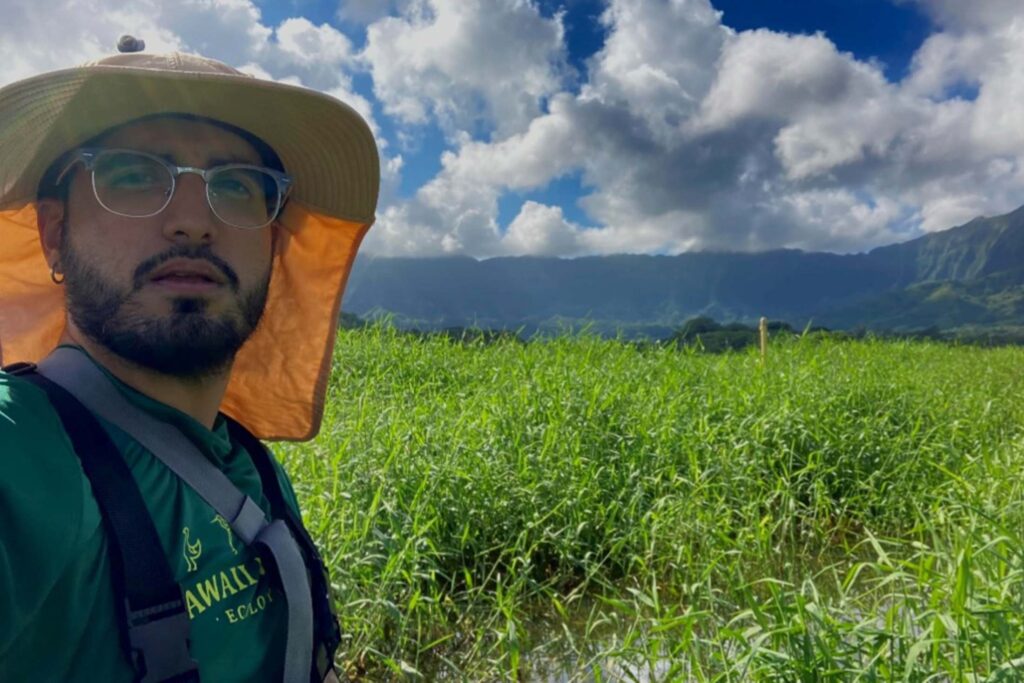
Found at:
(53, 276)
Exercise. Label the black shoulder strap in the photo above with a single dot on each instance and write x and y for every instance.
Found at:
(326, 632)
(155, 623)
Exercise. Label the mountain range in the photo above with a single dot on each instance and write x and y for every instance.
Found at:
(967, 277)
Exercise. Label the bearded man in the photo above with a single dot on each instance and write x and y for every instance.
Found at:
(175, 237)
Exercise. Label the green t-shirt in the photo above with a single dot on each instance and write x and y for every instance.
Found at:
(58, 620)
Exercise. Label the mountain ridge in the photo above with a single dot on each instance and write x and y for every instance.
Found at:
(982, 260)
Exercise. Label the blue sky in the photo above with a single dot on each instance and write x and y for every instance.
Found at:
(572, 127)
(870, 29)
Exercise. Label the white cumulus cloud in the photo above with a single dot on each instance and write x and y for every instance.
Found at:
(541, 230)
(466, 62)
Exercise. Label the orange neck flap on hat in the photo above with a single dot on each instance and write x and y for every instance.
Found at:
(279, 377)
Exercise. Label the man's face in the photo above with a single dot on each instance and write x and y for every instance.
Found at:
(137, 286)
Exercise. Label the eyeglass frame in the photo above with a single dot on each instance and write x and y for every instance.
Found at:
(88, 156)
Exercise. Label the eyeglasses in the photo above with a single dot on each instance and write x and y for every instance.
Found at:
(138, 185)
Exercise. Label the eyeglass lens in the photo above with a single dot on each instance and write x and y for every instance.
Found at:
(137, 185)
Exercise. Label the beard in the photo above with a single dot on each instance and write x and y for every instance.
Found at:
(189, 343)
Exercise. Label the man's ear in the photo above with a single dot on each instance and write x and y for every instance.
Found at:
(50, 221)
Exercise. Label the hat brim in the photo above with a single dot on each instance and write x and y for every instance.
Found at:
(324, 144)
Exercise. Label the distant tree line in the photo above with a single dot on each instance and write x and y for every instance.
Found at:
(708, 335)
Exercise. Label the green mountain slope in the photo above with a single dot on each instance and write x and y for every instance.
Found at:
(983, 247)
(996, 299)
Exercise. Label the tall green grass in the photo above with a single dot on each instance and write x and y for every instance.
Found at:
(582, 509)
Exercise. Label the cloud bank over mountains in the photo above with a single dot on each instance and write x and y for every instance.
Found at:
(682, 132)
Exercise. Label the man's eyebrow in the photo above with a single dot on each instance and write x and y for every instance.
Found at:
(210, 163)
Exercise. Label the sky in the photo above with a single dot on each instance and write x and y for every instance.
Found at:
(588, 127)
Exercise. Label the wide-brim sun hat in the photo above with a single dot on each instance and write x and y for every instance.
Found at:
(279, 378)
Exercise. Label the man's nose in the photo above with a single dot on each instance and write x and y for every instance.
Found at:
(188, 217)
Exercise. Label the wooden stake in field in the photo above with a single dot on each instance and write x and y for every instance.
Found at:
(763, 328)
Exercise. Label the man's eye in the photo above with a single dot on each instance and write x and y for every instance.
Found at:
(132, 178)
(232, 188)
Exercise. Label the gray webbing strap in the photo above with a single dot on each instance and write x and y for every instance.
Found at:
(72, 370)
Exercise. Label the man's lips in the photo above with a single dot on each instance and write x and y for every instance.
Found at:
(179, 285)
(187, 276)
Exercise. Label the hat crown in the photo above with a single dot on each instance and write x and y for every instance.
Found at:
(179, 62)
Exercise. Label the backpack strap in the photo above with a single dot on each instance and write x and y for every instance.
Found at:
(326, 632)
(154, 620)
(74, 371)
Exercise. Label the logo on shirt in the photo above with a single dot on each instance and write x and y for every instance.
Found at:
(238, 583)
(223, 524)
(237, 580)
(192, 550)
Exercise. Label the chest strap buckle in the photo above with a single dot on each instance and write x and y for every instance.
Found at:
(159, 642)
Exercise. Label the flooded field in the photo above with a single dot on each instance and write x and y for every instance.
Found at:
(579, 509)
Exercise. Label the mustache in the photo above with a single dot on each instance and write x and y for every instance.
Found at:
(201, 253)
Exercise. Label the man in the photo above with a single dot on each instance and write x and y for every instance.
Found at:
(181, 234)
